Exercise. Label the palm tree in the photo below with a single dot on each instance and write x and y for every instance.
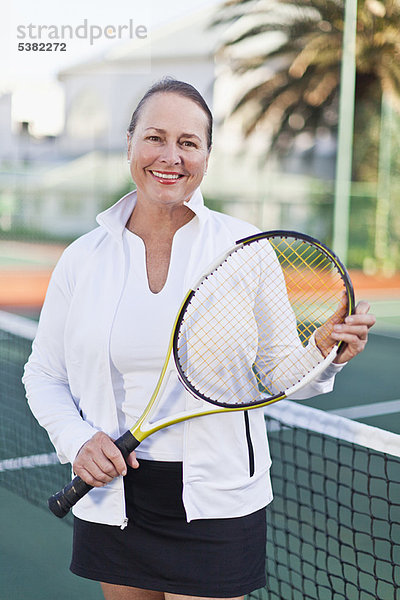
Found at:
(301, 91)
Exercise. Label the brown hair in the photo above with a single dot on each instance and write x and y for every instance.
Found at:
(170, 85)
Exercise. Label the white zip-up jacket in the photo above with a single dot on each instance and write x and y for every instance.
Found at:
(68, 379)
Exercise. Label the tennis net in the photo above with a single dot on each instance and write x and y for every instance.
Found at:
(334, 524)
(28, 462)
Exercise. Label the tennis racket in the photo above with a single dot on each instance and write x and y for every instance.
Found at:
(253, 330)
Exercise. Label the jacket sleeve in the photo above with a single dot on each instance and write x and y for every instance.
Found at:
(45, 375)
(322, 384)
(281, 357)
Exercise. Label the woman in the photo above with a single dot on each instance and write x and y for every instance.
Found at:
(190, 521)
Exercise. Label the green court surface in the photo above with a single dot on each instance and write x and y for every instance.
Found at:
(388, 315)
(35, 549)
(371, 378)
(35, 546)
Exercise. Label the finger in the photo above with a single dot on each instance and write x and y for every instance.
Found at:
(132, 460)
(106, 467)
(92, 475)
(113, 454)
(353, 333)
(361, 319)
(100, 458)
(361, 331)
(100, 469)
(362, 308)
(98, 466)
(356, 343)
(324, 339)
(345, 356)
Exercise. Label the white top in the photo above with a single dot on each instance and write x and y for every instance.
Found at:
(139, 342)
(69, 385)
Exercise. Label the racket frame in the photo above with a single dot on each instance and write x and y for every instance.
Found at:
(143, 427)
(62, 502)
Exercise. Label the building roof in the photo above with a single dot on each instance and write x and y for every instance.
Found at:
(190, 37)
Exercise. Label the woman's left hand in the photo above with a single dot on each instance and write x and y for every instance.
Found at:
(353, 332)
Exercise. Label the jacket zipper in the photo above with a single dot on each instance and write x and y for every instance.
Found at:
(249, 444)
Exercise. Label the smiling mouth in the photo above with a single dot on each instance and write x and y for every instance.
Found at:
(167, 177)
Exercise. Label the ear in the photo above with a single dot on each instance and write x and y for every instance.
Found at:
(206, 166)
(129, 143)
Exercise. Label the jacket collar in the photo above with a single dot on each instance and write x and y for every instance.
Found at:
(115, 218)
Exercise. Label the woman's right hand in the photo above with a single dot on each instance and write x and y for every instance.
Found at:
(99, 461)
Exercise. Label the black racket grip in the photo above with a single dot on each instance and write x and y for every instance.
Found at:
(61, 503)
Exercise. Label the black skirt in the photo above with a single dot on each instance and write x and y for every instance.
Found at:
(160, 551)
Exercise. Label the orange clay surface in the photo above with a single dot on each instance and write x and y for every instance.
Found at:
(25, 270)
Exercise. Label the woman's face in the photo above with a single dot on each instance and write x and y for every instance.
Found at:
(168, 151)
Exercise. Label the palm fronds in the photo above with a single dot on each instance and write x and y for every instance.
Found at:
(305, 61)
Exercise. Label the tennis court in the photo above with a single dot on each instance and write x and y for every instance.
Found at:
(35, 546)
(25, 269)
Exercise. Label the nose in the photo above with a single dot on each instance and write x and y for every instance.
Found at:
(170, 154)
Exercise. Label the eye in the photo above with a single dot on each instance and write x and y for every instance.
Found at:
(188, 144)
(153, 138)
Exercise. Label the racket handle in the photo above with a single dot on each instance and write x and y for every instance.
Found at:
(61, 503)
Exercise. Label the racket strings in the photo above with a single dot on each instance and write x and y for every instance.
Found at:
(300, 264)
(220, 283)
(312, 281)
(247, 329)
(208, 365)
(318, 288)
(207, 368)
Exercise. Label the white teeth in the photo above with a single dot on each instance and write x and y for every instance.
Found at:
(165, 175)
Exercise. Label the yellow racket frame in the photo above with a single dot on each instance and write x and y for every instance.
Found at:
(61, 502)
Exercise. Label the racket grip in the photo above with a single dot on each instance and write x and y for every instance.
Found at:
(61, 503)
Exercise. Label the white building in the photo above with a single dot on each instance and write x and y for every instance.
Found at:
(101, 94)
(63, 196)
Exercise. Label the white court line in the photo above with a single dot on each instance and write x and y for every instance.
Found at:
(29, 462)
(368, 410)
(386, 332)
(18, 325)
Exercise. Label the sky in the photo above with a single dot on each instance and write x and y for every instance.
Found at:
(31, 74)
